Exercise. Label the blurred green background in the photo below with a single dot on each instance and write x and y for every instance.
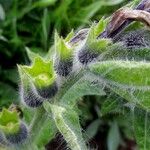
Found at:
(32, 23)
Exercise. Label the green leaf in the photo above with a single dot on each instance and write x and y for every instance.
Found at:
(38, 123)
(113, 139)
(87, 12)
(141, 121)
(110, 105)
(11, 75)
(8, 94)
(130, 73)
(112, 2)
(46, 132)
(44, 3)
(45, 28)
(2, 13)
(51, 53)
(77, 87)
(129, 79)
(92, 129)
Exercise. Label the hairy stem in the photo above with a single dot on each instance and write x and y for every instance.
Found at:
(37, 122)
(67, 121)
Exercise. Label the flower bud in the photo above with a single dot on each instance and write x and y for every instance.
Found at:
(30, 97)
(134, 39)
(38, 82)
(64, 55)
(19, 136)
(93, 46)
(14, 130)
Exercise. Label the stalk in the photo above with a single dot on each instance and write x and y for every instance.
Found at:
(67, 121)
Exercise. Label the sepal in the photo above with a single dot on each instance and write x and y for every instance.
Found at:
(96, 29)
(62, 48)
(64, 55)
(14, 130)
(94, 46)
(31, 55)
(38, 82)
(18, 137)
(9, 121)
(69, 36)
(41, 72)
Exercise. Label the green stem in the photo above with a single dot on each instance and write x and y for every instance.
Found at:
(67, 121)
(37, 122)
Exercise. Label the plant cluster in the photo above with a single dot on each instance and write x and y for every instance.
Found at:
(31, 23)
(100, 61)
